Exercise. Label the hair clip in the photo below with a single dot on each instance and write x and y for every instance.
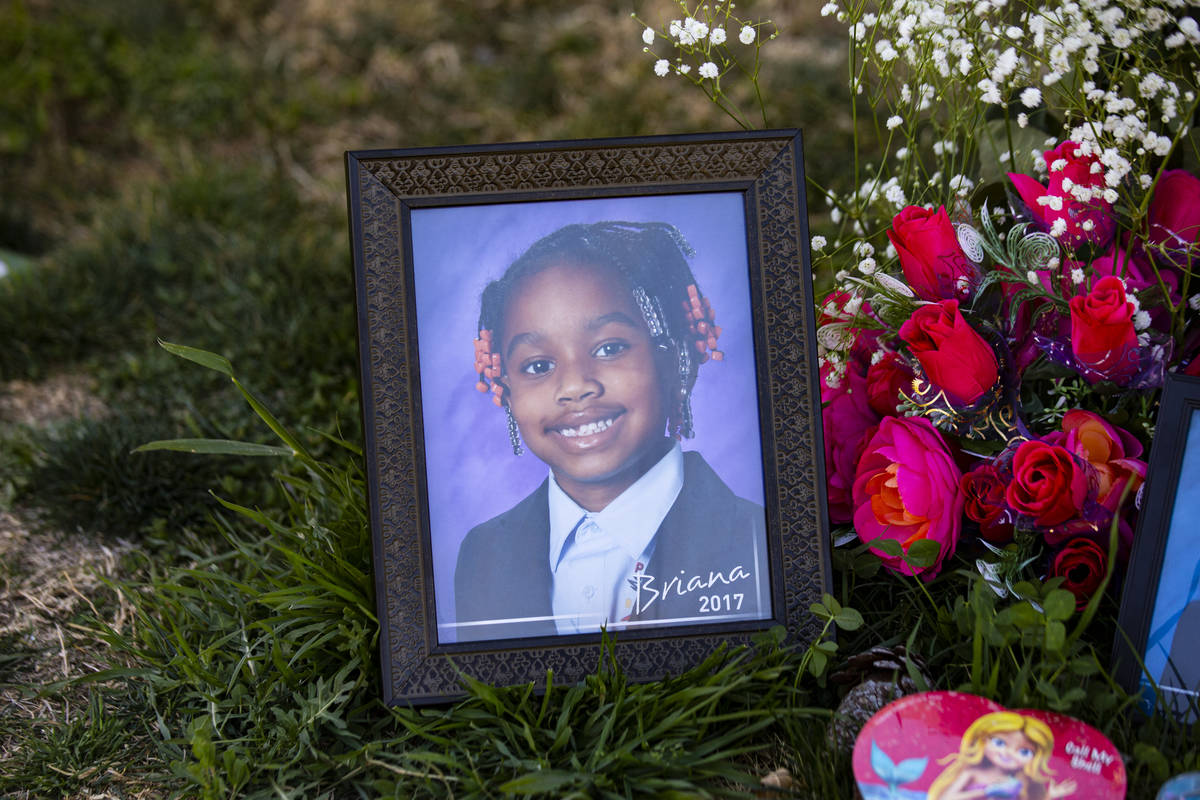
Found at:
(487, 367)
(702, 324)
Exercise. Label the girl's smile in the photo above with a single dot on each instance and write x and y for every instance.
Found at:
(583, 382)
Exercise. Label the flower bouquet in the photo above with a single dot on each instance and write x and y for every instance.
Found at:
(1013, 266)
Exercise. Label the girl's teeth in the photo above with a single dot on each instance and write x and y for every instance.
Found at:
(589, 429)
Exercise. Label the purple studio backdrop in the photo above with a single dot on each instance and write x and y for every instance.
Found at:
(472, 472)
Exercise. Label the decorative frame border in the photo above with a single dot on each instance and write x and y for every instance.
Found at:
(1180, 400)
(384, 187)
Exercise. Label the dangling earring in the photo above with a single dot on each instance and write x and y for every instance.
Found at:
(514, 435)
(684, 428)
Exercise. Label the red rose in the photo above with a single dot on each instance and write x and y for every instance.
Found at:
(1082, 563)
(1048, 484)
(932, 259)
(983, 489)
(1058, 204)
(953, 355)
(885, 380)
(1174, 218)
(847, 420)
(1102, 335)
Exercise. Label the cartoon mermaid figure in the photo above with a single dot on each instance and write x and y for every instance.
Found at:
(1003, 756)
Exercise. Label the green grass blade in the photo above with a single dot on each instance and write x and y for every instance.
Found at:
(202, 357)
(223, 447)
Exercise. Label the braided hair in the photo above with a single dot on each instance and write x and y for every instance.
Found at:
(652, 259)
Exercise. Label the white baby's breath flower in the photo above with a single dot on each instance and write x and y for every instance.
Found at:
(841, 275)
(1031, 97)
(1141, 320)
(818, 243)
(1053, 202)
(989, 91)
(853, 305)
(894, 122)
(902, 153)
(648, 36)
(835, 214)
(829, 9)
(747, 35)
(895, 195)
(891, 252)
(662, 67)
(1058, 228)
(1077, 276)
(684, 69)
(1032, 277)
(1146, 181)
(961, 184)
(867, 266)
(878, 356)
(1022, 120)
(1194, 302)
(708, 70)
(864, 249)
(717, 36)
(1088, 224)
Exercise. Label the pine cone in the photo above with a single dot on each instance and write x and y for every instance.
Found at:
(878, 676)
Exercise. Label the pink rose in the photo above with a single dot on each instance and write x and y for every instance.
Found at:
(1102, 335)
(953, 355)
(1048, 485)
(930, 256)
(1057, 205)
(1112, 452)
(847, 420)
(886, 379)
(1174, 218)
(907, 489)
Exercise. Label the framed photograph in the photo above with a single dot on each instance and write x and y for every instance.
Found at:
(1160, 607)
(591, 403)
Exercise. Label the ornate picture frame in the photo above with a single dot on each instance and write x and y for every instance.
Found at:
(430, 229)
(1160, 604)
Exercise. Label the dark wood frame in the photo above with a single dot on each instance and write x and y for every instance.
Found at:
(384, 186)
(1180, 398)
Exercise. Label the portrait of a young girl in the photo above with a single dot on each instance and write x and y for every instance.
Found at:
(592, 343)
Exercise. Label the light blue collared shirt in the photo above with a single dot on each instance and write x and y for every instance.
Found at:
(588, 571)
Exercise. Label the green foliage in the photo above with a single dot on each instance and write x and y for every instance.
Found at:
(66, 757)
(259, 664)
(87, 480)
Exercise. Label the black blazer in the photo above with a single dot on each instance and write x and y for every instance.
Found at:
(503, 567)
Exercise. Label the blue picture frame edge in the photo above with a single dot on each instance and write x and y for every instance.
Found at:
(1180, 398)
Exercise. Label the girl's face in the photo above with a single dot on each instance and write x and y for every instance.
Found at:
(583, 384)
(1008, 751)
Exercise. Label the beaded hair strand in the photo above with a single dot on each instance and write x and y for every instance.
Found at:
(652, 257)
